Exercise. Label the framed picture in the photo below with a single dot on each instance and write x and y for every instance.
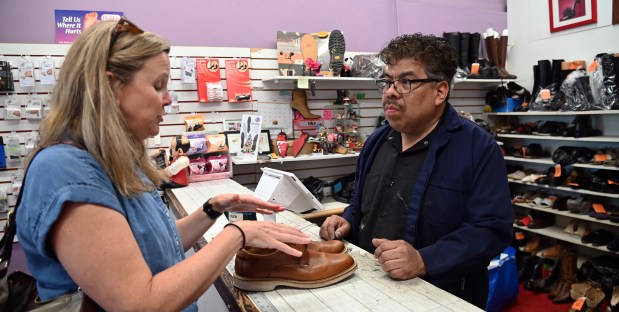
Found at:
(232, 125)
(233, 140)
(566, 14)
(264, 144)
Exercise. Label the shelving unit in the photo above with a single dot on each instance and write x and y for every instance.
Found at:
(558, 233)
(606, 121)
(548, 161)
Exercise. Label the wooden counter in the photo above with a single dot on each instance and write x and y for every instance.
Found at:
(369, 289)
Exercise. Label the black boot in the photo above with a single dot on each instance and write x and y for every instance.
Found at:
(453, 38)
(474, 41)
(544, 284)
(463, 58)
(535, 273)
(535, 83)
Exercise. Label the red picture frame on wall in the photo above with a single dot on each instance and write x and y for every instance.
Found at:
(566, 14)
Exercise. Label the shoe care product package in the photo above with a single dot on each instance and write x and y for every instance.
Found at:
(210, 88)
(239, 84)
(251, 127)
(6, 77)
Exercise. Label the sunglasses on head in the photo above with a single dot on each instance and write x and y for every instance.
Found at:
(124, 24)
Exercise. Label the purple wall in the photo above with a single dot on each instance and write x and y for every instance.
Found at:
(367, 24)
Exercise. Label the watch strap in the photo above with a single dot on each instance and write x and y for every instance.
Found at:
(207, 207)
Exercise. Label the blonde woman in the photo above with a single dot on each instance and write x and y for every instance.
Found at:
(90, 216)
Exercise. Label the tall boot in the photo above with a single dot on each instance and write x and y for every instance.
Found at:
(453, 38)
(536, 86)
(474, 40)
(555, 73)
(299, 103)
(567, 277)
(491, 49)
(502, 57)
(545, 73)
(463, 58)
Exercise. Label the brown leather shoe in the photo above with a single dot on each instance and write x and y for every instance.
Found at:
(553, 252)
(261, 269)
(534, 245)
(330, 246)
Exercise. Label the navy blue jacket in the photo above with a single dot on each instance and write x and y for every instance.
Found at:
(463, 195)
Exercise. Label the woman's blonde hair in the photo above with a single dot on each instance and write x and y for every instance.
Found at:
(84, 109)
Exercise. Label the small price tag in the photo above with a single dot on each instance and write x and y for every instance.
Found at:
(526, 220)
(544, 94)
(578, 304)
(557, 171)
(302, 82)
(519, 235)
(599, 208)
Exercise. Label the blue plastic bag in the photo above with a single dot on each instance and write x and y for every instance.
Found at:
(503, 276)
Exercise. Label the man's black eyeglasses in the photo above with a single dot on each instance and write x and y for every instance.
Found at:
(402, 86)
(124, 24)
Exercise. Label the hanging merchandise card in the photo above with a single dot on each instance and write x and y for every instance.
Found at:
(188, 70)
(48, 71)
(250, 133)
(239, 84)
(210, 88)
(6, 76)
(26, 74)
(34, 108)
(12, 109)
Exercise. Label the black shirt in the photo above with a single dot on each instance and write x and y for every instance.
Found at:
(387, 188)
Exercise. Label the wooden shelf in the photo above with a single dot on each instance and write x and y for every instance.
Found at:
(568, 189)
(558, 233)
(238, 161)
(604, 139)
(548, 161)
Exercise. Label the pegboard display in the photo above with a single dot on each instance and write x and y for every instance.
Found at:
(263, 65)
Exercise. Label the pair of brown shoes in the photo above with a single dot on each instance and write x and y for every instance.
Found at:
(322, 264)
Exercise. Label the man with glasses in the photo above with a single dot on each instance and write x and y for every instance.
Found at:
(432, 198)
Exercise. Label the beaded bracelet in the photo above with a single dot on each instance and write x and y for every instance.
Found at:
(240, 230)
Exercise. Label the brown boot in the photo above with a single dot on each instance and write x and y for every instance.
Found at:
(299, 102)
(568, 276)
(261, 269)
(502, 58)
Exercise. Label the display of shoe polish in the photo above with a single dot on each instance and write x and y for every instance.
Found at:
(261, 269)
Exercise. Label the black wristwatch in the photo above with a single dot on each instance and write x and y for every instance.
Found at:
(207, 207)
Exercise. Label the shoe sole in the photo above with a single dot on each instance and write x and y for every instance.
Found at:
(337, 47)
(269, 284)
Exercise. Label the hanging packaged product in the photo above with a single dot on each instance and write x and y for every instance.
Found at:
(188, 70)
(13, 150)
(34, 107)
(2, 154)
(194, 123)
(4, 199)
(48, 76)
(16, 181)
(30, 141)
(239, 83)
(12, 108)
(173, 108)
(6, 77)
(210, 88)
(26, 73)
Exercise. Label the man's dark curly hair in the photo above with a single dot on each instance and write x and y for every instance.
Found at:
(435, 53)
